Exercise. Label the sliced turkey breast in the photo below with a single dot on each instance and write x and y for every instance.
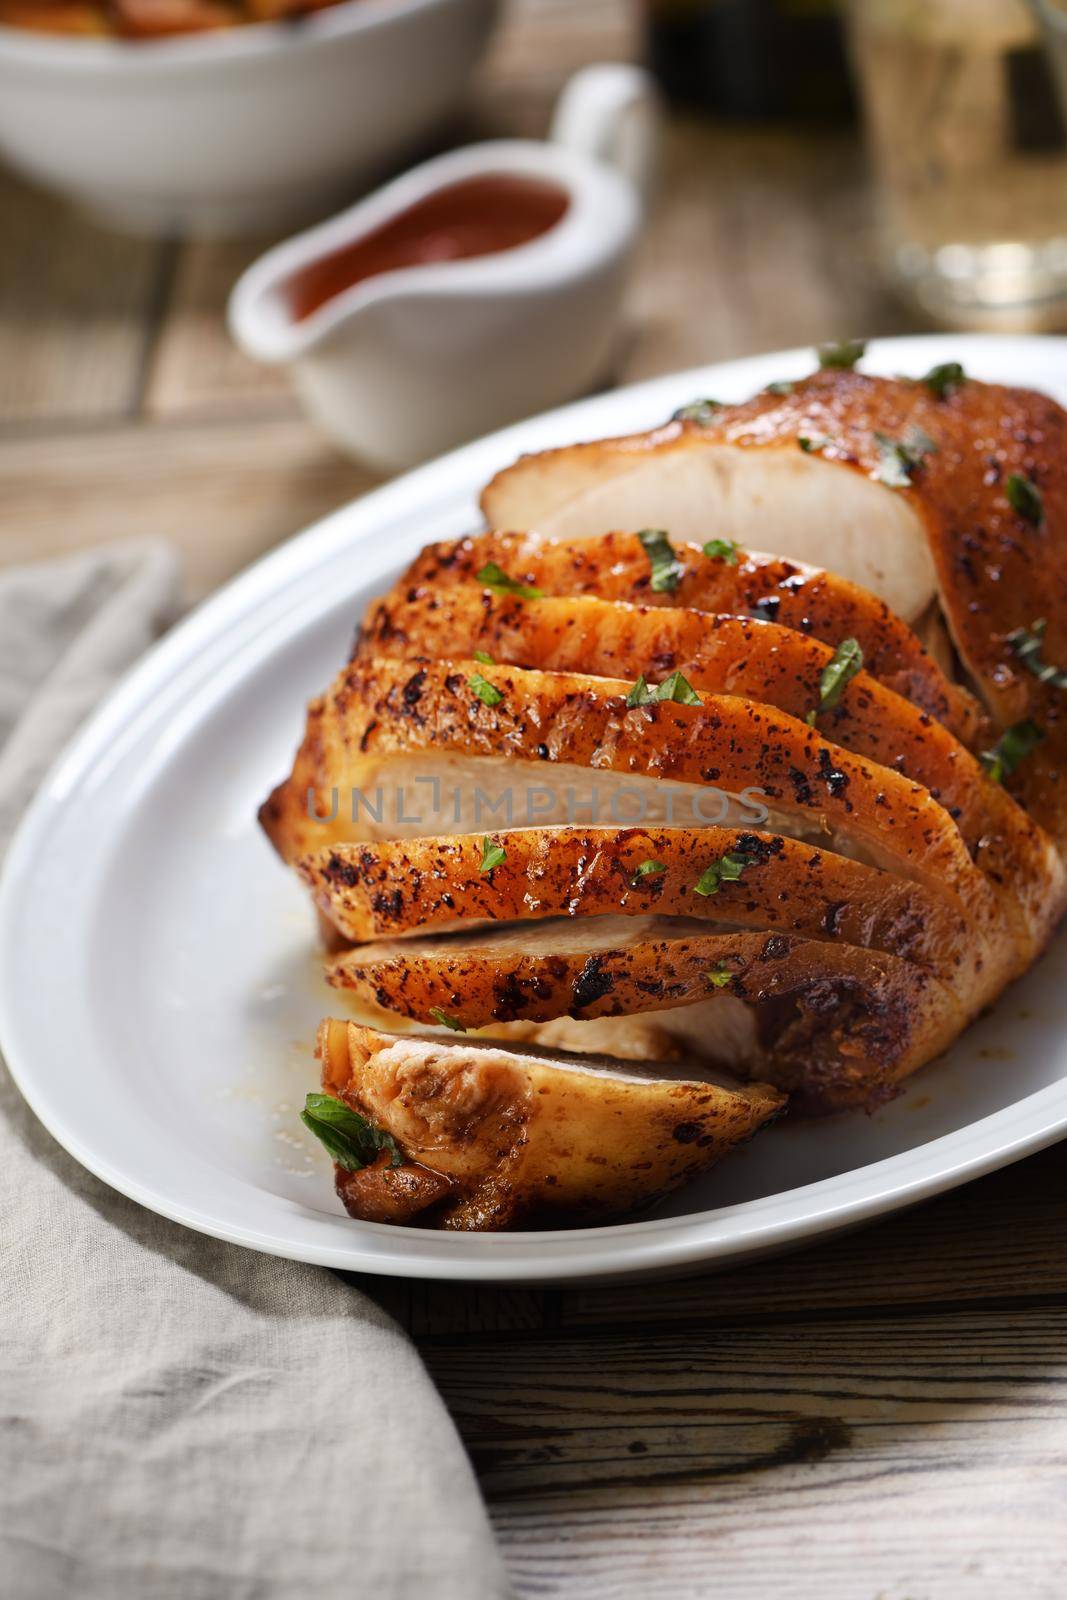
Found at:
(911, 488)
(834, 1025)
(494, 1137)
(702, 482)
(399, 887)
(389, 729)
(616, 566)
(730, 655)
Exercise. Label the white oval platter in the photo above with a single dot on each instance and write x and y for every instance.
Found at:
(159, 988)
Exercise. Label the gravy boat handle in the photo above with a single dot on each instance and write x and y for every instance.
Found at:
(610, 113)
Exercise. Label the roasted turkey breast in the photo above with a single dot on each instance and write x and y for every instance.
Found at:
(433, 753)
(834, 1025)
(615, 566)
(614, 811)
(917, 489)
(396, 888)
(493, 1136)
(757, 660)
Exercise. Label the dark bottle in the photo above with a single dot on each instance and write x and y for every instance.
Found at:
(752, 58)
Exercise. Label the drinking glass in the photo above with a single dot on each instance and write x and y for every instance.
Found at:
(966, 136)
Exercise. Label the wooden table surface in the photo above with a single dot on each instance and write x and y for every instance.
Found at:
(882, 1418)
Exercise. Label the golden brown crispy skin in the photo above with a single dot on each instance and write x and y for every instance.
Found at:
(728, 655)
(996, 569)
(616, 567)
(518, 1138)
(833, 1025)
(378, 711)
(396, 887)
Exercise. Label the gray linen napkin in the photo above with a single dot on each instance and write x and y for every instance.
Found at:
(180, 1418)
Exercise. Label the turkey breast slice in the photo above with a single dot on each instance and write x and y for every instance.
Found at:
(397, 888)
(758, 660)
(388, 729)
(499, 1137)
(700, 483)
(833, 1025)
(616, 566)
(961, 493)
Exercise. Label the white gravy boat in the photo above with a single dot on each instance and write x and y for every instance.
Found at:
(407, 363)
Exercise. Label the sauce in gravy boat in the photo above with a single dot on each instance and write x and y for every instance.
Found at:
(476, 289)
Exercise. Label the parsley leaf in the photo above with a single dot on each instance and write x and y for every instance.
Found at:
(837, 674)
(841, 354)
(1028, 643)
(719, 975)
(676, 688)
(485, 658)
(813, 444)
(487, 692)
(667, 570)
(722, 550)
(639, 695)
(492, 854)
(780, 386)
(1024, 497)
(443, 1020)
(899, 459)
(941, 380)
(1011, 749)
(494, 577)
(702, 411)
(727, 869)
(647, 869)
(350, 1139)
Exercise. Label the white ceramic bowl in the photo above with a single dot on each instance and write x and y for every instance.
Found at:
(237, 130)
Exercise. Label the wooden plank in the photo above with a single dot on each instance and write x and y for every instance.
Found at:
(854, 1459)
(76, 306)
(760, 240)
(223, 491)
(195, 366)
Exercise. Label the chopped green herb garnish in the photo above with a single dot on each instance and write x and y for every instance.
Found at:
(494, 577)
(639, 695)
(701, 411)
(1028, 643)
(1011, 749)
(350, 1139)
(719, 975)
(727, 869)
(842, 353)
(667, 570)
(900, 459)
(485, 658)
(812, 444)
(780, 386)
(722, 550)
(492, 855)
(647, 869)
(942, 379)
(676, 688)
(487, 692)
(1025, 497)
(443, 1020)
(837, 674)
